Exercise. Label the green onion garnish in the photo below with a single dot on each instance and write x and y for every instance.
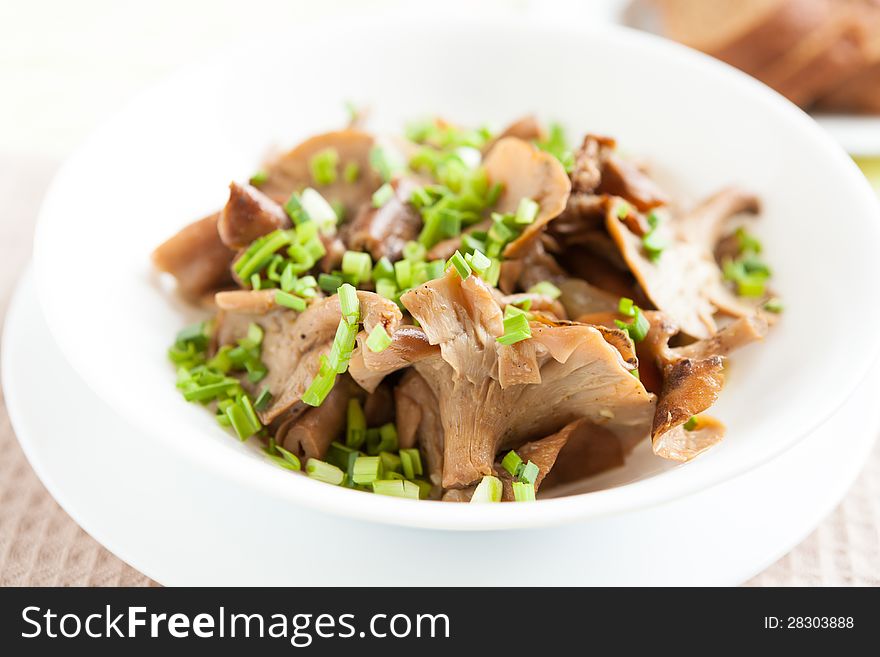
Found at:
(289, 301)
(382, 195)
(329, 282)
(523, 492)
(396, 488)
(378, 340)
(356, 425)
(526, 212)
(385, 162)
(461, 266)
(411, 463)
(390, 463)
(479, 262)
(351, 172)
(348, 303)
(511, 462)
(386, 289)
(557, 147)
(382, 440)
(321, 385)
(403, 273)
(773, 305)
(638, 328)
(691, 424)
(292, 460)
(263, 400)
(516, 328)
(318, 209)
(414, 251)
(383, 269)
(367, 469)
(258, 178)
(358, 265)
(323, 165)
(529, 473)
(488, 490)
(547, 289)
(325, 472)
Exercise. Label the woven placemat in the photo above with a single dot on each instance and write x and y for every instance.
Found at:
(40, 545)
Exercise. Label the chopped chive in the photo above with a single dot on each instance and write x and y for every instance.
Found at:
(625, 307)
(461, 266)
(382, 440)
(638, 328)
(357, 264)
(322, 166)
(351, 172)
(348, 303)
(653, 244)
(289, 301)
(516, 328)
(414, 251)
(338, 455)
(294, 209)
(291, 459)
(385, 162)
(748, 243)
(396, 488)
(547, 289)
(480, 262)
(329, 282)
(773, 305)
(411, 463)
(356, 425)
(367, 469)
(325, 472)
(511, 462)
(403, 274)
(523, 492)
(318, 209)
(382, 195)
(342, 346)
(258, 178)
(488, 490)
(383, 269)
(241, 421)
(493, 273)
(263, 400)
(425, 488)
(321, 385)
(691, 424)
(386, 289)
(378, 340)
(390, 462)
(529, 473)
(526, 211)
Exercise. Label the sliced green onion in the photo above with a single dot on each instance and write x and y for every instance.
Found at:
(342, 346)
(318, 209)
(516, 329)
(258, 178)
(386, 289)
(526, 211)
(367, 469)
(351, 172)
(390, 463)
(243, 421)
(638, 328)
(461, 266)
(291, 459)
(321, 385)
(511, 462)
(396, 488)
(357, 264)
(523, 492)
(323, 165)
(529, 473)
(691, 424)
(348, 303)
(773, 305)
(386, 162)
(653, 244)
(289, 301)
(382, 195)
(356, 424)
(488, 490)
(547, 289)
(479, 262)
(383, 440)
(626, 307)
(383, 269)
(329, 282)
(411, 463)
(493, 273)
(294, 209)
(414, 251)
(378, 340)
(748, 243)
(263, 400)
(325, 472)
(403, 273)
(338, 455)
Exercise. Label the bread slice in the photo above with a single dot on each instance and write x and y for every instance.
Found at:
(748, 34)
(820, 60)
(860, 92)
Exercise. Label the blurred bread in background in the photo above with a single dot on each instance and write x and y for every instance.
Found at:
(822, 54)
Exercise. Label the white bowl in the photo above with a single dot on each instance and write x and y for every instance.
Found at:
(167, 158)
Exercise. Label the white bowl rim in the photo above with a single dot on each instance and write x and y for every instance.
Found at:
(638, 495)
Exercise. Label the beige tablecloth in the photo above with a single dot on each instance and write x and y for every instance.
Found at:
(40, 545)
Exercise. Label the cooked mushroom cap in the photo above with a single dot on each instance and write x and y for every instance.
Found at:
(581, 375)
(310, 433)
(527, 172)
(247, 215)
(197, 258)
(385, 230)
(418, 422)
(294, 342)
(290, 173)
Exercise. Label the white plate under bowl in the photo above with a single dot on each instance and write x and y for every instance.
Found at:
(167, 158)
(182, 524)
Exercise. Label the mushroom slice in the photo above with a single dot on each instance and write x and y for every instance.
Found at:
(542, 453)
(308, 432)
(692, 380)
(527, 172)
(705, 223)
(418, 422)
(384, 231)
(622, 178)
(248, 302)
(582, 376)
(527, 128)
(408, 345)
(247, 215)
(291, 173)
(197, 258)
(294, 342)
(680, 282)
(589, 160)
